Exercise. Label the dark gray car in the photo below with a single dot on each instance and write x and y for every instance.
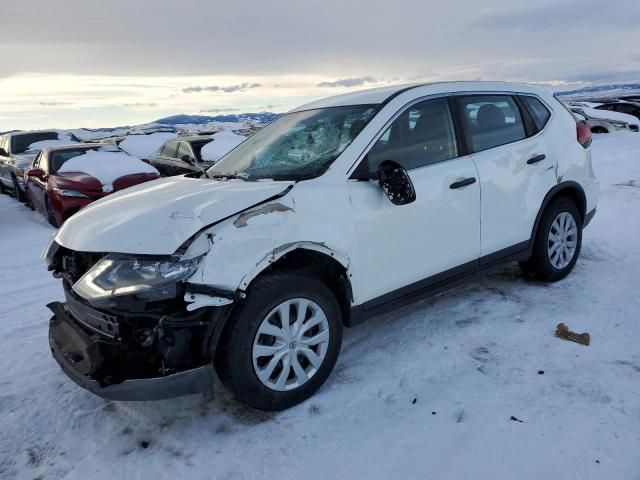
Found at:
(182, 155)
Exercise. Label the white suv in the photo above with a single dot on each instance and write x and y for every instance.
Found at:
(341, 209)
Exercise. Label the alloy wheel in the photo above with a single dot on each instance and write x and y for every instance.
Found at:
(290, 344)
(562, 241)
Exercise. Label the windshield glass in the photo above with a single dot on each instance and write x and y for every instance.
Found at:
(59, 157)
(20, 143)
(297, 145)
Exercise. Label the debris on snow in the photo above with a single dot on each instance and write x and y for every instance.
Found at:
(563, 331)
(514, 419)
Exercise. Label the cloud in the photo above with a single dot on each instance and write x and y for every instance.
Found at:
(215, 88)
(139, 104)
(54, 104)
(219, 110)
(348, 82)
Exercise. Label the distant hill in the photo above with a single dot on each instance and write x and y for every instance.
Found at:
(263, 117)
(602, 91)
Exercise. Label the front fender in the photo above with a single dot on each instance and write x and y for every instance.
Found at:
(243, 246)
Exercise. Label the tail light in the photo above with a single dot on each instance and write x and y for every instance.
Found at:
(584, 134)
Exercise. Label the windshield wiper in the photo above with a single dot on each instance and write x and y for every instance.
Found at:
(229, 176)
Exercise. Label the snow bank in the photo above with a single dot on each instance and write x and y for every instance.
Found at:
(145, 146)
(608, 115)
(223, 143)
(107, 167)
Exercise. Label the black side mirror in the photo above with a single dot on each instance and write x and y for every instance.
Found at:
(3, 152)
(186, 158)
(396, 183)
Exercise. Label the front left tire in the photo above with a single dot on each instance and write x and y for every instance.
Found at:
(282, 342)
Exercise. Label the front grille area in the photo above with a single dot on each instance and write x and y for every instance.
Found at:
(76, 264)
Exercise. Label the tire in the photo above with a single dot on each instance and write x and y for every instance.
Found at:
(599, 130)
(51, 218)
(553, 258)
(2, 188)
(17, 192)
(237, 364)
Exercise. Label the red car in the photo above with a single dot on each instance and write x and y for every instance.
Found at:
(59, 192)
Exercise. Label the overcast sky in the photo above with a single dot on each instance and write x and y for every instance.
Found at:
(73, 63)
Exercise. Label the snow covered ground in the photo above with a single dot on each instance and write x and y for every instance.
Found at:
(426, 392)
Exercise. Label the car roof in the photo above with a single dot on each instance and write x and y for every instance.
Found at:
(382, 95)
(79, 145)
(21, 132)
(192, 138)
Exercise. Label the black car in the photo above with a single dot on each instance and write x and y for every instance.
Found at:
(630, 107)
(181, 155)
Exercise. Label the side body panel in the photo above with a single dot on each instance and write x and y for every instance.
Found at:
(401, 244)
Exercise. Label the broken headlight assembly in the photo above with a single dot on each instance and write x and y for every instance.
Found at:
(149, 278)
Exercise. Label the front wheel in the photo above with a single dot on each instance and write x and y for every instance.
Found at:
(557, 243)
(282, 342)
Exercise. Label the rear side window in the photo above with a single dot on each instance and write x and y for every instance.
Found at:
(170, 150)
(184, 151)
(492, 120)
(539, 113)
(423, 134)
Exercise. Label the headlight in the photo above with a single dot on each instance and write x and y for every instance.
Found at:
(117, 275)
(63, 192)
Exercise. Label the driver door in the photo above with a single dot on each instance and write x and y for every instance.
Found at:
(405, 246)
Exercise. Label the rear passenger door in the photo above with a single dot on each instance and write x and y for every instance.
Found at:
(515, 165)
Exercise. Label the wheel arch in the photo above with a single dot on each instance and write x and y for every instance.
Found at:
(313, 258)
(569, 189)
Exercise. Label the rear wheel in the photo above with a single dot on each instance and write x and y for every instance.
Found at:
(282, 342)
(599, 130)
(557, 243)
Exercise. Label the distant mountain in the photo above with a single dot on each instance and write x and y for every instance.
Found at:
(602, 91)
(263, 117)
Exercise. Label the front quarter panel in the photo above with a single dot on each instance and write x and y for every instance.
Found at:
(314, 216)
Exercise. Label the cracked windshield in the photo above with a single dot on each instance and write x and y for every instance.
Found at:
(296, 146)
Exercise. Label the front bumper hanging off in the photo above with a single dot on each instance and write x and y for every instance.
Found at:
(80, 354)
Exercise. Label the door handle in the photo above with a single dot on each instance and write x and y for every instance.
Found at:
(462, 183)
(536, 159)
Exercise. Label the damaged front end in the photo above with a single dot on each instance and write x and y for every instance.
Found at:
(127, 338)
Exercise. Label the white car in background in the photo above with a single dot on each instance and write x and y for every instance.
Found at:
(603, 121)
(339, 210)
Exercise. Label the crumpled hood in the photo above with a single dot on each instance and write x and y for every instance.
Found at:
(156, 217)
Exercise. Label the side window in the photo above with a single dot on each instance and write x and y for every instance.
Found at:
(170, 150)
(539, 113)
(627, 108)
(36, 161)
(184, 149)
(423, 134)
(492, 120)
